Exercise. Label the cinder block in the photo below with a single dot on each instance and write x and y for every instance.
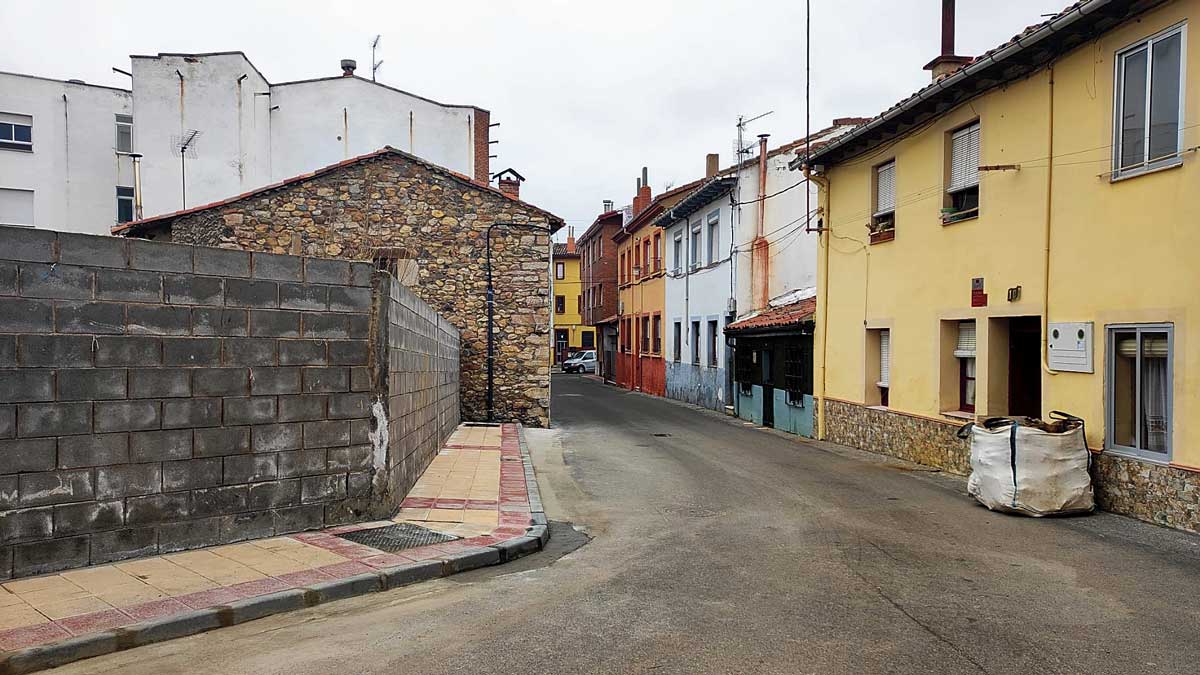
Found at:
(160, 382)
(8, 351)
(219, 321)
(28, 244)
(358, 484)
(277, 437)
(361, 273)
(127, 351)
(154, 509)
(222, 262)
(26, 524)
(249, 293)
(188, 535)
(124, 544)
(65, 282)
(239, 351)
(350, 458)
(221, 381)
(325, 271)
(54, 419)
(302, 463)
(35, 454)
(221, 441)
(129, 285)
(192, 474)
(158, 256)
(159, 320)
(325, 325)
(303, 296)
(17, 386)
(196, 351)
(6, 556)
(92, 384)
(192, 412)
(274, 494)
(20, 315)
(88, 249)
(243, 526)
(249, 410)
(187, 289)
(348, 406)
(217, 501)
(302, 408)
(8, 421)
(278, 267)
(159, 446)
(128, 415)
(360, 431)
(359, 326)
(76, 452)
(10, 492)
(299, 518)
(326, 434)
(275, 381)
(87, 517)
(94, 318)
(349, 299)
(301, 352)
(326, 380)
(56, 487)
(348, 352)
(55, 351)
(52, 555)
(250, 468)
(8, 278)
(274, 323)
(128, 480)
(322, 488)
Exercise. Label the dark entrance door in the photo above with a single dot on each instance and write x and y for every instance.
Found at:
(1025, 366)
(768, 387)
(560, 344)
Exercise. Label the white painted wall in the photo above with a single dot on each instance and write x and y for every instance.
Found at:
(74, 169)
(701, 293)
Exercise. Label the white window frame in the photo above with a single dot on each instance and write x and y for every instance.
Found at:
(966, 131)
(1110, 444)
(885, 358)
(130, 198)
(32, 206)
(678, 252)
(14, 120)
(560, 270)
(697, 244)
(123, 121)
(1118, 105)
(879, 208)
(714, 236)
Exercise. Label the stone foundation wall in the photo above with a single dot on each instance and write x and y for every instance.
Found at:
(1160, 494)
(916, 439)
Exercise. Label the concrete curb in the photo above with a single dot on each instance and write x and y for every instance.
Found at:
(33, 659)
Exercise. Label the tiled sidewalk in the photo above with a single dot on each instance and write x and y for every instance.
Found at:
(474, 489)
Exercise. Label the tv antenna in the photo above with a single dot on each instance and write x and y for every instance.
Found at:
(740, 148)
(375, 64)
(183, 146)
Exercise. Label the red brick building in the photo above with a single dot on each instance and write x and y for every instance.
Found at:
(598, 272)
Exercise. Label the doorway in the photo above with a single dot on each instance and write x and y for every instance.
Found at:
(1025, 366)
(561, 337)
(768, 387)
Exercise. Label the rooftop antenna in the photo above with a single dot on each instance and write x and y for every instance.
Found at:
(183, 146)
(740, 148)
(375, 64)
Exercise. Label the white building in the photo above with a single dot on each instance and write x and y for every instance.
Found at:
(242, 132)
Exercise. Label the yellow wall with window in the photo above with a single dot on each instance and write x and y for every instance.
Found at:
(1121, 251)
(570, 288)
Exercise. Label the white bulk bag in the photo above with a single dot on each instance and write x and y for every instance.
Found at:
(1028, 468)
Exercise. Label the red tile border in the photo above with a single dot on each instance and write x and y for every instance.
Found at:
(155, 609)
(418, 503)
(483, 504)
(249, 589)
(96, 621)
(346, 569)
(303, 578)
(386, 560)
(210, 598)
(31, 636)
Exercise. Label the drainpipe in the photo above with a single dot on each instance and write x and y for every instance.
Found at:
(1049, 217)
(137, 185)
(760, 249)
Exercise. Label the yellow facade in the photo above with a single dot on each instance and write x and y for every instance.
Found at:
(568, 323)
(1120, 251)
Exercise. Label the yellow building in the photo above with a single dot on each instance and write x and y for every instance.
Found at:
(1019, 237)
(570, 333)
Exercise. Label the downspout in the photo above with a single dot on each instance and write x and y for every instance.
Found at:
(1049, 218)
(823, 306)
(67, 152)
(760, 258)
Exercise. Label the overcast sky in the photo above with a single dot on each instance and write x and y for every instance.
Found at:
(586, 93)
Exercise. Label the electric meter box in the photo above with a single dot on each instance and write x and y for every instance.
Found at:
(1071, 347)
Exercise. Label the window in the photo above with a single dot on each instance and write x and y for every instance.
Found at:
(658, 253)
(560, 270)
(694, 342)
(745, 368)
(962, 190)
(588, 340)
(677, 340)
(964, 351)
(1140, 374)
(793, 374)
(657, 334)
(678, 252)
(696, 236)
(645, 335)
(16, 132)
(646, 257)
(884, 214)
(16, 207)
(712, 343)
(579, 304)
(124, 133)
(1149, 105)
(124, 204)
(885, 365)
(560, 304)
(714, 237)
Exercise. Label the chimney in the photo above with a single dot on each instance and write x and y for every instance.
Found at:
(947, 62)
(607, 206)
(510, 186)
(348, 66)
(712, 165)
(643, 197)
(570, 240)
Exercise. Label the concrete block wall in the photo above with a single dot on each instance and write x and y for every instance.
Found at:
(157, 397)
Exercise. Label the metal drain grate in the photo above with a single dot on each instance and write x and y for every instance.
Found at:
(395, 538)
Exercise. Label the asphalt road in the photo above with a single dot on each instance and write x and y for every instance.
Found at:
(722, 549)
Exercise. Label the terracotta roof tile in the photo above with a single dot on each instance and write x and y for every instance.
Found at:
(777, 317)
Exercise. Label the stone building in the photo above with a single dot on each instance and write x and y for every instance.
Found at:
(429, 224)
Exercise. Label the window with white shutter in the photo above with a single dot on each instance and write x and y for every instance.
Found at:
(885, 358)
(16, 207)
(962, 185)
(884, 214)
(964, 351)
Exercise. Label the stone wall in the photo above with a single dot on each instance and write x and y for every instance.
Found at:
(1165, 495)
(157, 397)
(917, 439)
(436, 222)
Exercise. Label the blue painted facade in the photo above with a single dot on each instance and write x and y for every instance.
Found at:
(698, 385)
(794, 419)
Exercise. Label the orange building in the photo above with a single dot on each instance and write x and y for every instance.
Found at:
(642, 291)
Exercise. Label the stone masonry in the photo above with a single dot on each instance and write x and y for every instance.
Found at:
(157, 397)
(432, 222)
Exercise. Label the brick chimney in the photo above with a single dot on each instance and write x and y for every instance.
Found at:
(510, 183)
(712, 165)
(947, 62)
(642, 199)
(348, 66)
(570, 240)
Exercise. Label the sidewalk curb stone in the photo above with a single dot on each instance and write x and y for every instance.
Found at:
(32, 659)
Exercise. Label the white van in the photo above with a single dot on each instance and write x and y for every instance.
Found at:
(581, 362)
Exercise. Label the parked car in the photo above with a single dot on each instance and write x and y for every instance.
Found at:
(581, 362)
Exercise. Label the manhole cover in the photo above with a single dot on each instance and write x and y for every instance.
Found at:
(395, 538)
(690, 511)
